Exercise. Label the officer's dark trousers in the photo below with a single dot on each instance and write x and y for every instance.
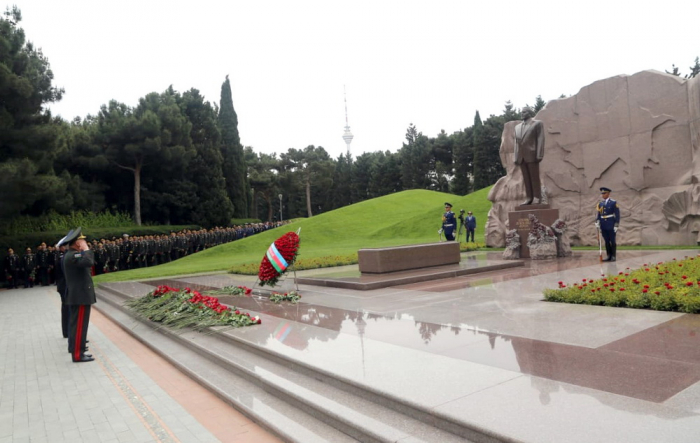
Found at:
(449, 232)
(79, 320)
(65, 320)
(609, 238)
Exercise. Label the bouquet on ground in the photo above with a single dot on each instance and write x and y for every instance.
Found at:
(232, 290)
(291, 296)
(279, 257)
(179, 308)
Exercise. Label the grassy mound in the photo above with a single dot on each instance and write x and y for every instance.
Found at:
(408, 217)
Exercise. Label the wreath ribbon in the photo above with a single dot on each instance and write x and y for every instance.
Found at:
(276, 259)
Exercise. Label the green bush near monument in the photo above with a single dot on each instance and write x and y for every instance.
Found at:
(670, 286)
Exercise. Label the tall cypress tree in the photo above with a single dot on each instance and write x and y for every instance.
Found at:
(234, 169)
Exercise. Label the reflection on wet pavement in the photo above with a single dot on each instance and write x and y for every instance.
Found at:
(451, 318)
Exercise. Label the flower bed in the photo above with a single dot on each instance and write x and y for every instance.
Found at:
(670, 286)
(179, 308)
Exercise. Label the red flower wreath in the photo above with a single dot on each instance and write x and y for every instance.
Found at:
(288, 248)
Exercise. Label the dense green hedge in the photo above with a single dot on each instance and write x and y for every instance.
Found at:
(242, 221)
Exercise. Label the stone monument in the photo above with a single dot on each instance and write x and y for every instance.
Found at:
(639, 135)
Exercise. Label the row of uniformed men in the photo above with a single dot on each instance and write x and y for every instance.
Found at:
(124, 253)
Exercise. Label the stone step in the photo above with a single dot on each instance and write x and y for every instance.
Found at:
(340, 404)
(277, 415)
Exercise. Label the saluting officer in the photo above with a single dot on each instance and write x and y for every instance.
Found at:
(77, 262)
(608, 221)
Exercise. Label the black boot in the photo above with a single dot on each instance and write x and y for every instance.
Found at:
(614, 250)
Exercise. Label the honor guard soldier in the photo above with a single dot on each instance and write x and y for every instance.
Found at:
(608, 221)
(77, 262)
(449, 222)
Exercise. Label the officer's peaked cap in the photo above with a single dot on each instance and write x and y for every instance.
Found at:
(604, 189)
(72, 236)
(62, 241)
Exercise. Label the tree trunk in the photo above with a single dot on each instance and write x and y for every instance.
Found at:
(254, 207)
(308, 197)
(270, 209)
(137, 195)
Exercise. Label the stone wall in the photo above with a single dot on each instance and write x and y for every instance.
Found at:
(638, 135)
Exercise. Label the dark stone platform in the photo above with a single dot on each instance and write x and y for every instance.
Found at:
(403, 258)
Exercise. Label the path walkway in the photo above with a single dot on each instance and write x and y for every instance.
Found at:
(128, 394)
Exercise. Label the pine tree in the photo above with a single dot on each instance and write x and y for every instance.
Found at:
(234, 168)
(695, 69)
(539, 104)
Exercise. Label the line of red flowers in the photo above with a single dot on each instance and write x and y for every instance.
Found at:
(202, 300)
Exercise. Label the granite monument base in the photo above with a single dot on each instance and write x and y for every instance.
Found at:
(519, 221)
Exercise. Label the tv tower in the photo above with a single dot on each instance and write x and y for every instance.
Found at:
(347, 135)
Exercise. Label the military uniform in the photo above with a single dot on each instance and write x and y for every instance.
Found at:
(42, 264)
(62, 290)
(80, 296)
(11, 268)
(29, 268)
(608, 219)
(449, 223)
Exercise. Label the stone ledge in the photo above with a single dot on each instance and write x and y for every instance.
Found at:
(403, 258)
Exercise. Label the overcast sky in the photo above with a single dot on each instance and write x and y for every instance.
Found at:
(430, 63)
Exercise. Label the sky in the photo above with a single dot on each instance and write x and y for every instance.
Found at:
(397, 62)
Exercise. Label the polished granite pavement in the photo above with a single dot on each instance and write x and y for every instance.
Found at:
(485, 349)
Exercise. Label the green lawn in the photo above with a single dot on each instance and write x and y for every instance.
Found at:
(407, 217)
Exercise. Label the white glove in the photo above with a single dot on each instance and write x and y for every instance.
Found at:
(616, 228)
(439, 231)
(597, 224)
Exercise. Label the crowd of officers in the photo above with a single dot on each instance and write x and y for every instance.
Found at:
(127, 252)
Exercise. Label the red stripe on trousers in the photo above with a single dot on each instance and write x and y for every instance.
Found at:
(79, 334)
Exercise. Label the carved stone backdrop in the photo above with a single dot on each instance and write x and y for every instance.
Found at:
(638, 135)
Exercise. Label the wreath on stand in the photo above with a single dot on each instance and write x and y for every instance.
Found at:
(279, 257)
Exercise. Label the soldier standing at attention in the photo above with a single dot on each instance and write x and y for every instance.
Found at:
(449, 222)
(11, 268)
(77, 263)
(42, 264)
(29, 268)
(608, 221)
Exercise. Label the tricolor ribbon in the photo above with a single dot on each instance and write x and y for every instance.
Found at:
(276, 259)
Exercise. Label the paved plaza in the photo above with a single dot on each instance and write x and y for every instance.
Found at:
(129, 394)
(482, 351)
